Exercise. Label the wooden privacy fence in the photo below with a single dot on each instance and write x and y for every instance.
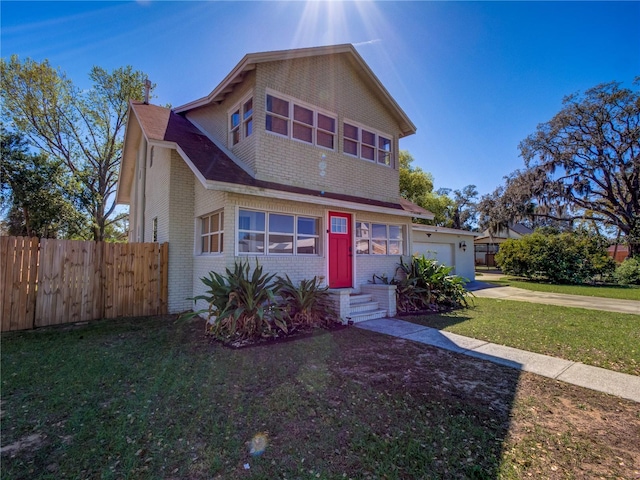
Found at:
(48, 282)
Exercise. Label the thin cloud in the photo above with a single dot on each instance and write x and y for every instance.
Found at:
(368, 42)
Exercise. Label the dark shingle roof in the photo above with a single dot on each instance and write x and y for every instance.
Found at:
(162, 124)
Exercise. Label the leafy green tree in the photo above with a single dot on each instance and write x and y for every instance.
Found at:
(36, 193)
(583, 164)
(461, 211)
(84, 129)
(414, 182)
(416, 185)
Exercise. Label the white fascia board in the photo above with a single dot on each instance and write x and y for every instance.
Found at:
(434, 229)
(298, 197)
(281, 195)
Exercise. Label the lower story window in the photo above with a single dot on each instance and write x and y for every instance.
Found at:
(379, 239)
(212, 232)
(265, 233)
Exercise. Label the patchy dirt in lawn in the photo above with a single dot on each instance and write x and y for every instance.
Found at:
(26, 444)
(553, 429)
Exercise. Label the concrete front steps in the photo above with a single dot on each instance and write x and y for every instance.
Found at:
(363, 308)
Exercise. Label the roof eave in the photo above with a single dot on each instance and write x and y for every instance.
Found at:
(250, 61)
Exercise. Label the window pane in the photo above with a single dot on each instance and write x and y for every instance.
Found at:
(368, 152)
(277, 125)
(277, 105)
(379, 231)
(251, 242)
(307, 226)
(251, 220)
(395, 232)
(302, 132)
(338, 225)
(235, 136)
(248, 127)
(326, 123)
(248, 109)
(301, 114)
(205, 225)
(215, 243)
(384, 158)
(362, 230)
(280, 223)
(214, 222)
(351, 147)
(395, 247)
(368, 138)
(307, 245)
(222, 220)
(325, 139)
(280, 243)
(350, 131)
(235, 119)
(379, 247)
(205, 244)
(362, 247)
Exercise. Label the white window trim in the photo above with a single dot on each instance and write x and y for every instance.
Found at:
(220, 232)
(378, 134)
(387, 239)
(266, 233)
(290, 121)
(241, 126)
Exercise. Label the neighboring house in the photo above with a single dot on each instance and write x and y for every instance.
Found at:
(291, 160)
(449, 246)
(618, 252)
(488, 244)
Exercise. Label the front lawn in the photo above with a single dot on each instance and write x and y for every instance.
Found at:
(622, 292)
(151, 398)
(603, 339)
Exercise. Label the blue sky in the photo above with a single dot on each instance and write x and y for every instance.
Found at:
(475, 77)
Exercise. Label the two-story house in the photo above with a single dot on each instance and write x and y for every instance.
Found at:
(292, 160)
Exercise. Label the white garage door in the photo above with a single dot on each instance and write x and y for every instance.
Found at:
(442, 252)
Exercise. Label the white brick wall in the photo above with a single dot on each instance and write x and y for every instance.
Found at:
(329, 83)
(181, 234)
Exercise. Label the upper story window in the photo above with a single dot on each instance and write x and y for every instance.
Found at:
(294, 119)
(367, 144)
(241, 121)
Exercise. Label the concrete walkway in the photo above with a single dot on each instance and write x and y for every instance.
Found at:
(488, 290)
(614, 383)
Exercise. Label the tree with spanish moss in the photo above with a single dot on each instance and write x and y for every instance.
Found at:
(583, 164)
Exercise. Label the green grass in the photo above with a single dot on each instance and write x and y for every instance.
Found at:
(148, 399)
(622, 292)
(151, 398)
(603, 339)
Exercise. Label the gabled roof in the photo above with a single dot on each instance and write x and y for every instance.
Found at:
(249, 62)
(212, 165)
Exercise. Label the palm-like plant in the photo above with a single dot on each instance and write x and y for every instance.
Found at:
(307, 304)
(241, 304)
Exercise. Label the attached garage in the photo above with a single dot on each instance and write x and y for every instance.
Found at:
(448, 246)
(441, 252)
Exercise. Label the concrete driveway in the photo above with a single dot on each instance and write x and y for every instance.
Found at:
(488, 290)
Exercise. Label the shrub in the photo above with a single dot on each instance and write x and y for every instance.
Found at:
(423, 284)
(242, 305)
(306, 305)
(628, 272)
(570, 257)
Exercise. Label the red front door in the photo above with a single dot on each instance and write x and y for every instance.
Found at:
(340, 250)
